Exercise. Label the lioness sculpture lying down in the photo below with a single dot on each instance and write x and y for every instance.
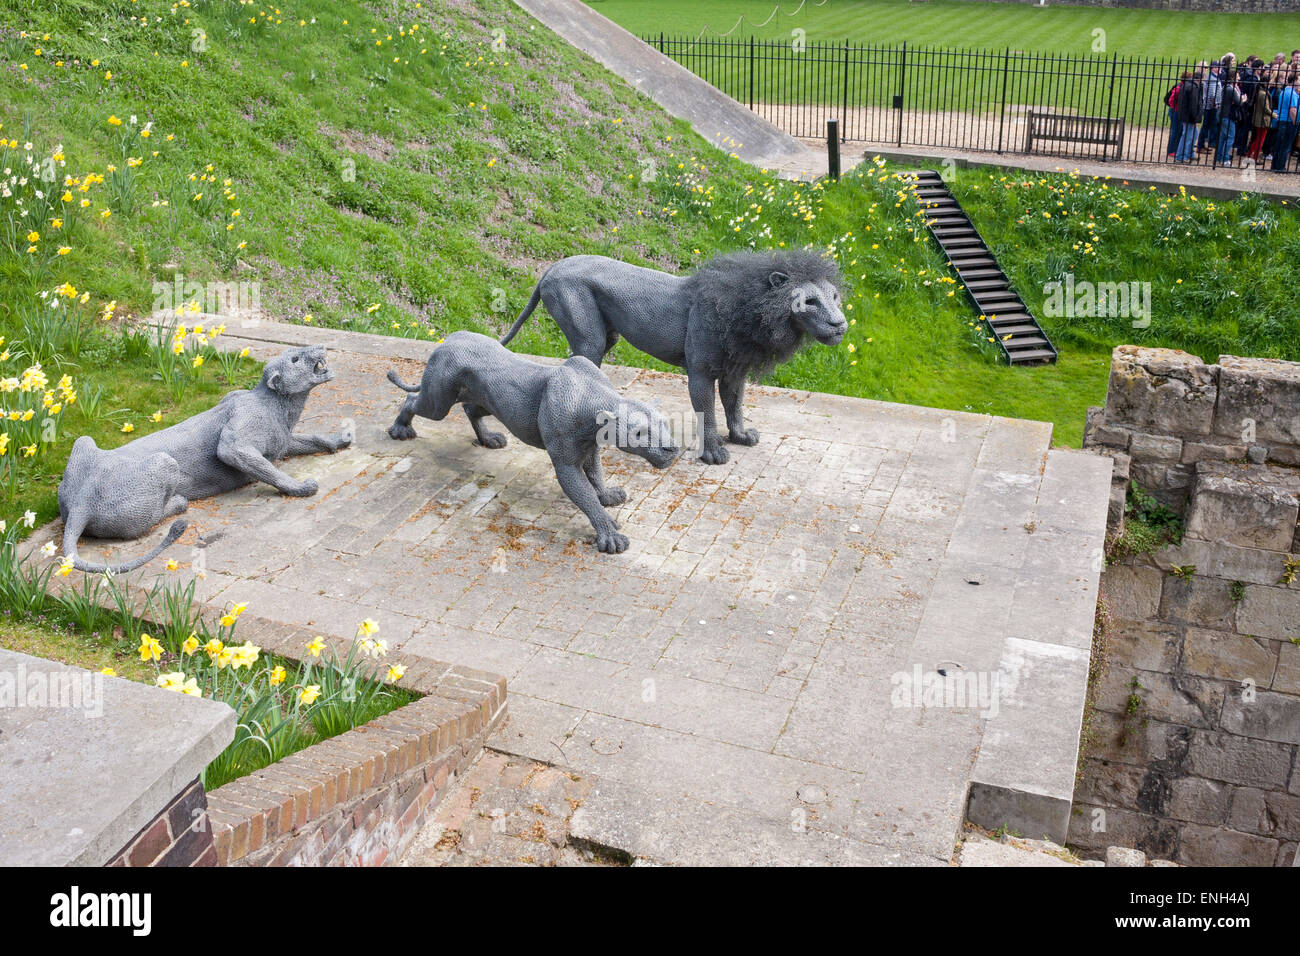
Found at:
(570, 410)
(124, 492)
(738, 316)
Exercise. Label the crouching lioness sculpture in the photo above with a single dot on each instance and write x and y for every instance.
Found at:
(738, 316)
(124, 492)
(570, 410)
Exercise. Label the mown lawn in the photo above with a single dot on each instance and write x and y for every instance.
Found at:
(1056, 28)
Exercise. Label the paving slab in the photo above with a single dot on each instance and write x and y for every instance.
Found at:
(67, 733)
(763, 634)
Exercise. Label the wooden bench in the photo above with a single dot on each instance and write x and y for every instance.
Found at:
(1063, 128)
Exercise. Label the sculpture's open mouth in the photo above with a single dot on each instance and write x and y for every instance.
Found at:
(320, 367)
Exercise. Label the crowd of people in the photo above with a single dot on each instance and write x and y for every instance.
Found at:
(1233, 113)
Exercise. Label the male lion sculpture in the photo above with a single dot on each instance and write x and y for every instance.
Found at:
(123, 492)
(739, 315)
(570, 410)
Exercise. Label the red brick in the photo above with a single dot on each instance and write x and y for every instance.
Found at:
(151, 844)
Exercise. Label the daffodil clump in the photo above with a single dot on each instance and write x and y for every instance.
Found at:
(283, 706)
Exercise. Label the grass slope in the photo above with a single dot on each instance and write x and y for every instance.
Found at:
(408, 169)
(1057, 28)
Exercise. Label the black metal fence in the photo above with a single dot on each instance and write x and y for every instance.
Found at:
(1083, 107)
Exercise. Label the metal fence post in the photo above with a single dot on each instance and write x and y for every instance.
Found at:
(899, 100)
(1002, 119)
(661, 43)
(833, 149)
(1110, 105)
(844, 111)
(751, 72)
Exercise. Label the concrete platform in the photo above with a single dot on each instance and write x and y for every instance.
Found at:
(89, 760)
(760, 677)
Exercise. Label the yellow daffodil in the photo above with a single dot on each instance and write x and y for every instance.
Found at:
(315, 646)
(150, 649)
(307, 696)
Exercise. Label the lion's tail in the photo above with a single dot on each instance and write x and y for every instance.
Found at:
(523, 316)
(75, 524)
(392, 377)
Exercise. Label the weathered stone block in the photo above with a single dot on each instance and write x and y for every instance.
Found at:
(1132, 592)
(1198, 600)
(1163, 448)
(1265, 716)
(1124, 856)
(1148, 646)
(1241, 506)
(1286, 679)
(1190, 701)
(1265, 812)
(1168, 483)
(1138, 742)
(1270, 612)
(1199, 801)
(1216, 560)
(1110, 784)
(1194, 451)
(1099, 828)
(1258, 399)
(1233, 759)
(1212, 846)
(1229, 656)
(1097, 432)
(1160, 390)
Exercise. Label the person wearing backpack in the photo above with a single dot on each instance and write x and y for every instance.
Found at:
(1211, 100)
(1261, 110)
(1171, 102)
(1286, 118)
(1190, 113)
(1230, 113)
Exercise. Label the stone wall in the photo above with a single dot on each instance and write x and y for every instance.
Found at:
(1192, 748)
(178, 836)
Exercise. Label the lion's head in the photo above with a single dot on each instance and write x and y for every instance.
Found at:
(297, 371)
(762, 305)
(638, 428)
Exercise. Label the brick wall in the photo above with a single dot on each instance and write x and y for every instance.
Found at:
(1195, 725)
(358, 798)
(180, 835)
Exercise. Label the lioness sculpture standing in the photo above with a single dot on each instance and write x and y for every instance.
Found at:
(739, 315)
(123, 492)
(569, 410)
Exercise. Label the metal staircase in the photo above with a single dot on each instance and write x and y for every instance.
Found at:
(1019, 337)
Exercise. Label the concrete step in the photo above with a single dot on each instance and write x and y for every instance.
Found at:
(1024, 776)
(667, 828)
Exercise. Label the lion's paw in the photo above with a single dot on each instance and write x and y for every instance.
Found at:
(715, 455)
(343, 440)
(493, 440)
(304, 490)
(611, 542)
(747, 437)
(401, 432)
(612, 496)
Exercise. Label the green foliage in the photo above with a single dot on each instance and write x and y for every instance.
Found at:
(1148, 526)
